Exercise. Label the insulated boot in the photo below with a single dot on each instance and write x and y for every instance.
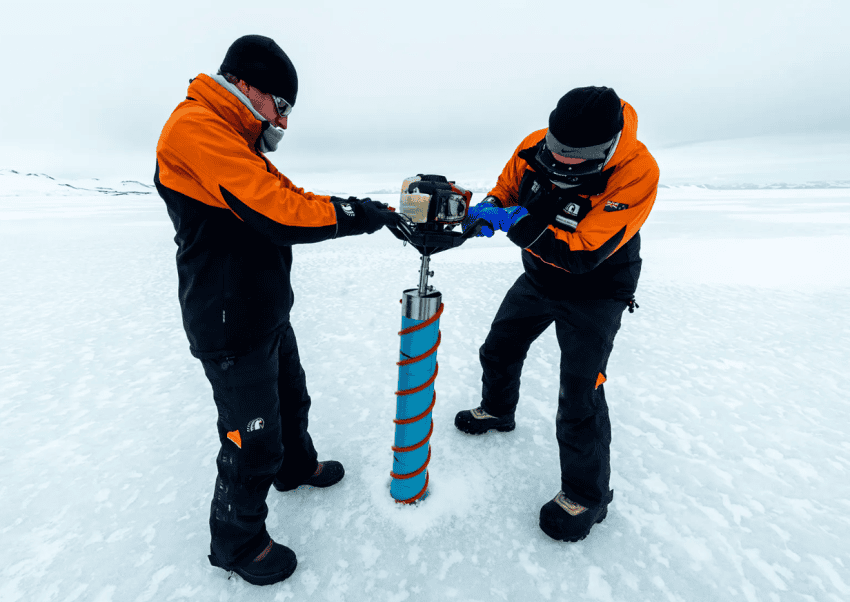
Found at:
(477, 421)
(565, 520)
(274, 564)
(327, 474)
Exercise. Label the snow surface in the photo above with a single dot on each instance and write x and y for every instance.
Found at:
(728, 392)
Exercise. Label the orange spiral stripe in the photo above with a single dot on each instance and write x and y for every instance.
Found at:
(416, 497)
(424, 324)
(421, 416)
(423, 386)
(413, 360)
(417, 445)
(415, 473)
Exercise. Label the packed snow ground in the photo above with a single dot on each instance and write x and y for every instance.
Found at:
(728, 392)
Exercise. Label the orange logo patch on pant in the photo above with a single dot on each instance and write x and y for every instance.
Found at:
(236, 438)
(599, 380)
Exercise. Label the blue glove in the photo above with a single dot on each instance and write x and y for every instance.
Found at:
(496, 217)
(511, 216)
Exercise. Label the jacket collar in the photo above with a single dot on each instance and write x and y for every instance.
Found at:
(221, 101)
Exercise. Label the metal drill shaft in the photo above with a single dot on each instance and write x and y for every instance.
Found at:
(423, 275)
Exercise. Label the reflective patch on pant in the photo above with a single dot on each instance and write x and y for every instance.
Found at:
(236, 438)
(569, 506)
(255, 425)
(227, 463)
(222, 505)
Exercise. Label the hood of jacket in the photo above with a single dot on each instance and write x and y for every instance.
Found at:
(628, 146)
(208, 92)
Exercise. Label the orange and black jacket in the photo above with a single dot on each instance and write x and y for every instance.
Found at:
(593, 251)
(235, 217)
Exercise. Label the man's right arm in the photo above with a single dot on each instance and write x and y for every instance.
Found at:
(506, 189)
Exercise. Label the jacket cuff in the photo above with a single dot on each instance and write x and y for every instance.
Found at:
(347, 221)
(527, 230)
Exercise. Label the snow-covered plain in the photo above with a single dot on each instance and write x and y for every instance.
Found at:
(728, 392)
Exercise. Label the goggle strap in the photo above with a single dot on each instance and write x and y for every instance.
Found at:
(597, 151)
(613, 149)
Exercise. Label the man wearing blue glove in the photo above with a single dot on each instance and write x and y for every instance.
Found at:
(573, 197)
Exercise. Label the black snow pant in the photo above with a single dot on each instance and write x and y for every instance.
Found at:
(585, 330)
(262, 404)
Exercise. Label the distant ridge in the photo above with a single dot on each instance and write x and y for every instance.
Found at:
(776, 186)
(15, 183)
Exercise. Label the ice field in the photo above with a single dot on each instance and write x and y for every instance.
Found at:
(728, 390)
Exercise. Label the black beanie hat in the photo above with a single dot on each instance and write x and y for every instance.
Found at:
(586, 117)
(260, 62)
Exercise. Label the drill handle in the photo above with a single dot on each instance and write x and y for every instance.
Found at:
(475, 228)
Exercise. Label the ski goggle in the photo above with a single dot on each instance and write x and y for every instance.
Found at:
(283, 107)
(564, 162)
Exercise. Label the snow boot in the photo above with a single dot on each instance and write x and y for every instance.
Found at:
(477, 421)
(327, 474)
(274, 564)
(565, 520)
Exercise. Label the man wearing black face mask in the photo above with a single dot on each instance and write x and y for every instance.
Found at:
(573, 197)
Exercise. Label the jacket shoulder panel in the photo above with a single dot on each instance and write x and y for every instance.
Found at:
(194, 148)
(200, 154)
(507, 186)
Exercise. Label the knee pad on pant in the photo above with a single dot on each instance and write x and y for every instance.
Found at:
(579, 397)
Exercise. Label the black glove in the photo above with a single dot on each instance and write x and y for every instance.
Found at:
(380, 214)
(377, 204)
(362, 216)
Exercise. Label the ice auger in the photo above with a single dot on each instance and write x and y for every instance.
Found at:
(431, 207)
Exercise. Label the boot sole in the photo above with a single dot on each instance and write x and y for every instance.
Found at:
(307, 486)
(266, 579)
(285, 489)
(575, 538)
(501, 429)
(467, 428)
(258, 579)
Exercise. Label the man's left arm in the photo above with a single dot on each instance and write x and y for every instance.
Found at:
(612, 222)
(287, 183)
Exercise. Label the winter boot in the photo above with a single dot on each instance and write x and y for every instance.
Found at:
(273, 564)
(565, 520)
(327, 474)
(477, 421)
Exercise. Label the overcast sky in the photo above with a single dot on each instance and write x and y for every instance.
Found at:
(87, 86)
